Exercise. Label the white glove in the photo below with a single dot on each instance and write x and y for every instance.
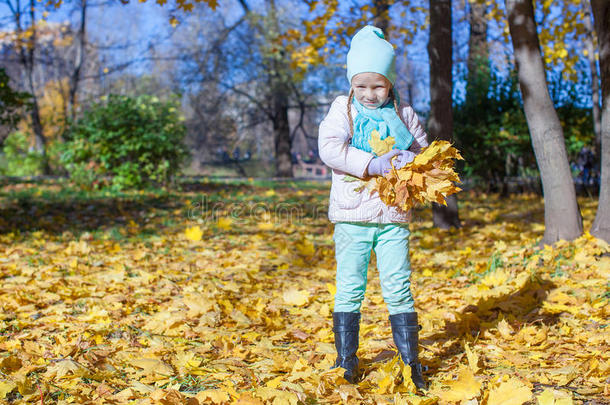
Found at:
(380, 165)
(404, 157)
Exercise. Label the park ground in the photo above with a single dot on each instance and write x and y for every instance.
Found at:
(222, 292)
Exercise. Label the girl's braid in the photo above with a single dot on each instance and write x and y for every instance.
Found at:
(395, 100)
(349, 112)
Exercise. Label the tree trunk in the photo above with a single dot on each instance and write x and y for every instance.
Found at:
(279, 78)
(26, 56)
(440, 122)
(589, 46)
(382, 15)
(601, 13)
(281, 135)
(78, 60)
(561, 214)
(477, 84)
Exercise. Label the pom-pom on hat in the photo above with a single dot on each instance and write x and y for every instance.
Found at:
(370, 52)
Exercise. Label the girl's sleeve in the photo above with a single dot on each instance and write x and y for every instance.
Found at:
(411, 120)
(333, 142)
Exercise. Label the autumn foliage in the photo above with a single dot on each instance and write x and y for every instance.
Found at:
(429, 178)
(218, 295)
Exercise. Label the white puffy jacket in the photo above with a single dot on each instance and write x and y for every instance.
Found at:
(347, 204)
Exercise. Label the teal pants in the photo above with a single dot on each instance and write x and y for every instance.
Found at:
(353, 244)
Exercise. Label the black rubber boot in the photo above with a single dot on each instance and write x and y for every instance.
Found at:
(346, 326)
(405, 330)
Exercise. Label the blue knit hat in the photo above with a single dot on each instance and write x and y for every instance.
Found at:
(370, 52)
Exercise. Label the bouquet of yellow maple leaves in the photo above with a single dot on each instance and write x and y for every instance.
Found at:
(428, 178)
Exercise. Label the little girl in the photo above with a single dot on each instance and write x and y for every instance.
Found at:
(362, 221)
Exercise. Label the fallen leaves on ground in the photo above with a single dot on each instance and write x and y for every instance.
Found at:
(187, 299)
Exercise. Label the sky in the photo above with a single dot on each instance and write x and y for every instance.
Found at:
(137, 26)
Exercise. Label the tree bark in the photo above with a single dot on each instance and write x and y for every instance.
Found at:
(601, 14)
(79, 60)
(561, 214)
(279, 87)
(478, 79)
(589, 46)
(278, 91)
(440, 122)
(281, 135)
(26, 56)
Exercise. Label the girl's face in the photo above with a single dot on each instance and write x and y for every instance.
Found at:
(371, 89)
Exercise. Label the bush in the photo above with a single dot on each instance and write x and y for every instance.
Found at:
(492, 133)
(13, 105)
(18, 158)
(128, 142)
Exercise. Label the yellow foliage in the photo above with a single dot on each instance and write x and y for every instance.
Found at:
(464, 388)
(429, 178)
(381, 147)
(193, 233)
(224, 223)
(511, 392)
(296, 297)
(6, 387)
(144, 314)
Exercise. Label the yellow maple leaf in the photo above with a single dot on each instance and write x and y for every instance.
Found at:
(246, 398)
(554, 397)
(384, 383)
(505, 330)
(185, 361)
(274, 382)
(6, 387)
(381, 147)
(224, 223)
(296, 297)
(279, 397)
(214, 396)
(464, 388)
(265, 226)
(64, 367)
(193, 233)
(511, 392)
(151, 366)
(305, 248)
(473, 359)
(402, 399)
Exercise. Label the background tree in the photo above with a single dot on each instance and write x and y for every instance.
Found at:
(440, 121)
(561, 215)
(80, 52)
(12, 104)
(590, 54)
(279, 90)
(601, 13)
(25, 44)
(478, 79)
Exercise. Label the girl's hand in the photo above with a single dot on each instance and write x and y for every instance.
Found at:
(380, 165)
(404, 157)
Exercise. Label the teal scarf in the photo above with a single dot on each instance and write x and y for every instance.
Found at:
(385, 120)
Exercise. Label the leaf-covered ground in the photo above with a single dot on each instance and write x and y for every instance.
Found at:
(223, 293)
